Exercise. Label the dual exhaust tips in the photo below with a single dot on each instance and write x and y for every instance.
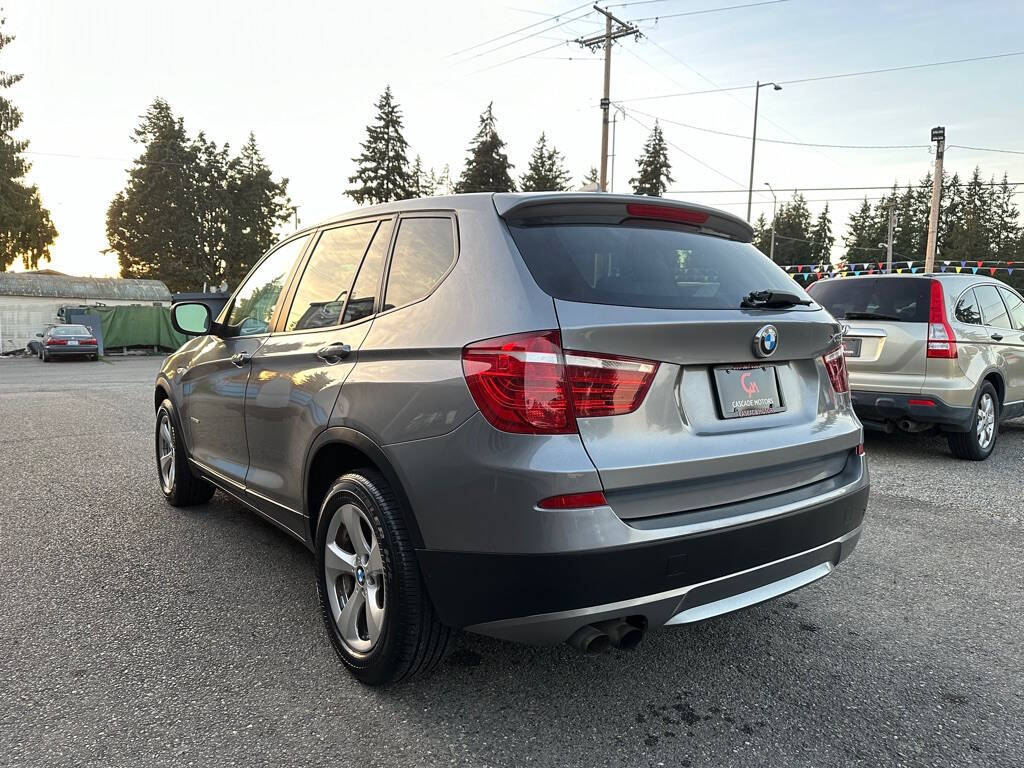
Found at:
(595, 639)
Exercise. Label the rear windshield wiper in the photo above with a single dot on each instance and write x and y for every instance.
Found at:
(771, 300)
(871, 316)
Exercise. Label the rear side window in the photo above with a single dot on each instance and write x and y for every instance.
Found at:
(644, 266)
(424, 250)
(967, 309)
(1015, 304)
(328, 276)
(895, 299)
(364, 294)
(993, 312)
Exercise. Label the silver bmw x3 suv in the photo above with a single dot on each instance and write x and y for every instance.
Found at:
(545, 418)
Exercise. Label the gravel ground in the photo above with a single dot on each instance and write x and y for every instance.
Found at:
(135, 634)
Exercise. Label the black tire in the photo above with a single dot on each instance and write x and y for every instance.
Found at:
(44, 356)
(185, 489)
(969, 445)
(412, 640)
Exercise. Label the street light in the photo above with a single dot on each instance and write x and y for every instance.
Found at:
(753, 142)
(775, 201)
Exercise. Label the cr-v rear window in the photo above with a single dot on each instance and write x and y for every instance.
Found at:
(648, 265)
(898, 299)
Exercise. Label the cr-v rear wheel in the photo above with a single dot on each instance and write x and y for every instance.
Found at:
(180, 486)
(977, 443)
(378, 615)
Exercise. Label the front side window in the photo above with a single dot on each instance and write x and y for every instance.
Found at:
(1015, 304)
(993, 312)
(424, 249)
(253, 306)
(326, 281)
(967, 310)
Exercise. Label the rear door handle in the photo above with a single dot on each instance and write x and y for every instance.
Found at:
(333, 353)
(997, 337)
(241, 359)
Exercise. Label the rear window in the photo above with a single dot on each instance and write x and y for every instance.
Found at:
(645, 266)
(895, 299)
(70, 330)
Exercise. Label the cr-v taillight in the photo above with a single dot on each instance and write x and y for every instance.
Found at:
(941, 342)
(525, 383)
(835, 364)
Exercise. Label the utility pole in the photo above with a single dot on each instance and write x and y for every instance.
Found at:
(624, 29)
(939, 137)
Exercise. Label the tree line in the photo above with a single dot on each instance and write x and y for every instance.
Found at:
(978, 221)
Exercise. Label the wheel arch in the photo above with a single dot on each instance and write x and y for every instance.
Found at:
(337, 450)
(995, 377)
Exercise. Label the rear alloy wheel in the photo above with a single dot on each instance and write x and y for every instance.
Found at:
(180, 486)
(978, 442)
(372, 597)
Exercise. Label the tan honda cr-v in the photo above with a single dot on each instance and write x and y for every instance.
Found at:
(924, 352)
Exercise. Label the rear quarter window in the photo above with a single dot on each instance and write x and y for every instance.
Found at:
(424, 250)
(893, 299)
(646, 265)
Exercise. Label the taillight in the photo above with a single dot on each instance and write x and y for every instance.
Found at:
(55, 342)
(607, 386)
(941, 342)
(574, 501)
(90, 341)
(525, 384)
(835, 364)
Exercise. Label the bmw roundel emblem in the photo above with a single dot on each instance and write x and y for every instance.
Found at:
(766, 341)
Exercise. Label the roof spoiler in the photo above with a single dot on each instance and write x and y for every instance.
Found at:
(618, 208)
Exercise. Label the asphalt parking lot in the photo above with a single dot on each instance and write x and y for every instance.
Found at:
(132, 633)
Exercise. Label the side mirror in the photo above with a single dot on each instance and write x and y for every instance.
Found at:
(39, 335)
(191, 318)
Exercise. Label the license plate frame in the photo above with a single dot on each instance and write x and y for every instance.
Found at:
(736, 399)
(852, 346)
(73, 342)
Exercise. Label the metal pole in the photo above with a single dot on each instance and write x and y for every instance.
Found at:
(606, 100)
(939, 137)
(771, 250)
(888, 244)
(611, 170)
(753, 147)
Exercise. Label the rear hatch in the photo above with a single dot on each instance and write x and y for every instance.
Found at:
(727, 417)
(886, 334)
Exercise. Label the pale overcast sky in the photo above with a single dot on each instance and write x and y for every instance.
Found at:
(304, 76)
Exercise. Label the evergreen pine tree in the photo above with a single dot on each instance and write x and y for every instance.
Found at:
(654, 172)
(383, 172)
(1006, 231)
(792, 232)
(257, 207)
(26, 231)
(591, 177)
(546, 171)
(152, 223)
(441, 182)
(762, 235)
(487, 167)
(859, 231)
(822, 239)
(421, 183)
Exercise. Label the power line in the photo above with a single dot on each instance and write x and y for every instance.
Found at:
(829, 189)
(986, 149)
(517, 31)
(780, 141)
(524, 38)
(707, 10)
(692, 157)
(835, 76)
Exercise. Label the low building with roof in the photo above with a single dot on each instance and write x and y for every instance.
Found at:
(29, 301)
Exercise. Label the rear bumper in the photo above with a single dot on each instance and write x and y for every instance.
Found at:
(876, 408)
(690, 572)
(65, 351)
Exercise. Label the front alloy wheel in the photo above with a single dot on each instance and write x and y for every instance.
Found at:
(354, 575)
